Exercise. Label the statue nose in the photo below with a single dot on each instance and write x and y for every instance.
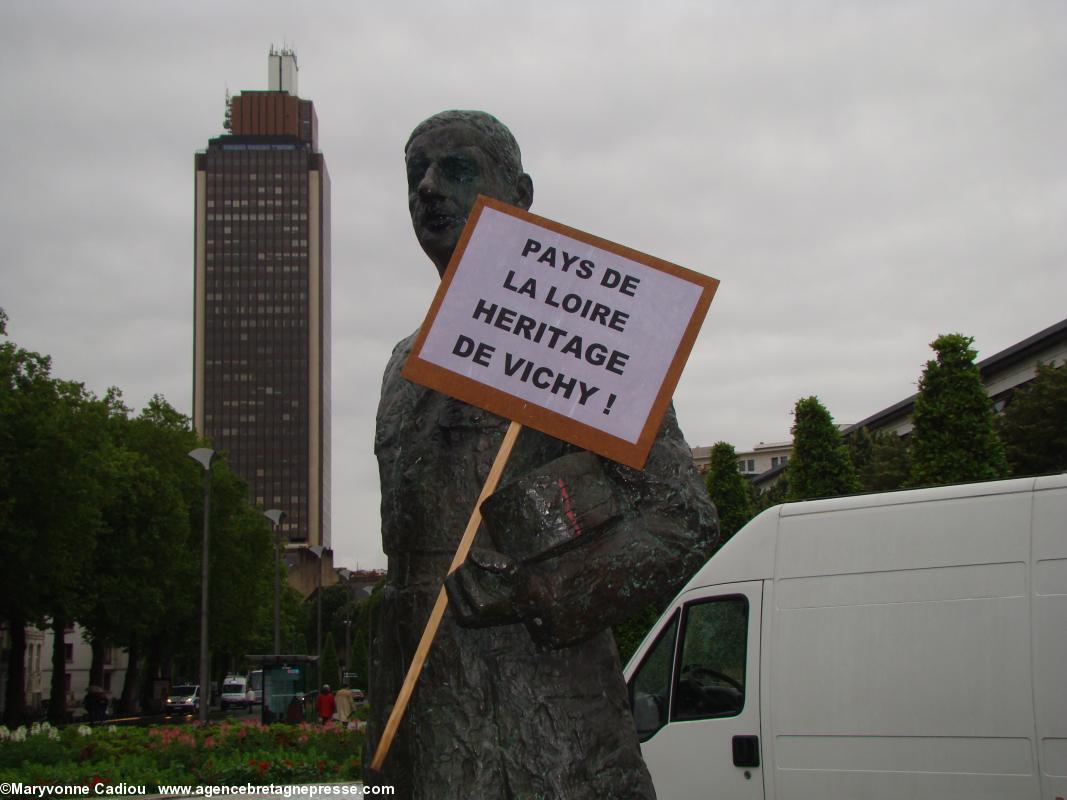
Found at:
(430, 183)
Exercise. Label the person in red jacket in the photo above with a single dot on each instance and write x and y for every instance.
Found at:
(325, 704)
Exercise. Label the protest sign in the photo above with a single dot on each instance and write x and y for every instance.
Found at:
(559, 330)
(553, 328)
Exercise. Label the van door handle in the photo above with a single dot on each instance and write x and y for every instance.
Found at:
(746, 751)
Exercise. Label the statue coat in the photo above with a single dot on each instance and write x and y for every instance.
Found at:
(536, 708)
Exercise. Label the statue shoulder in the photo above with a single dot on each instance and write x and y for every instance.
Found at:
(398, 396)
(400, 354)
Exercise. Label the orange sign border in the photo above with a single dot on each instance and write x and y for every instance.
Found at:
(503, 404)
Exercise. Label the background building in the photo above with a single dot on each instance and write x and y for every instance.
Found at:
(78, 659)
(261, 372)
(1002, 374)
(762, 457)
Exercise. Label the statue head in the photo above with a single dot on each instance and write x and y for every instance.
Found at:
(451, 158)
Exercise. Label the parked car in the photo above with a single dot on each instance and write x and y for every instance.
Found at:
(907, 644)
(234, 692)
(183, 697)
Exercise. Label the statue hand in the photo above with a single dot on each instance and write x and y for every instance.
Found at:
(561, 504)
(483, 590)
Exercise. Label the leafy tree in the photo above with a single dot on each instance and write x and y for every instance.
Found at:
(1034, 426)
(773, 495)
(954, 438)
(329, 667)
(145, 591)
(101, 521)
(729, 491)
(337, 606)
(357, 660)
(25, 383)
(242, 571)
(158, 525)
(70, 520)
(130, 586)
(362, 613)
(52, 435)
(819, 466)
(860, 449)
(880, 459)
(295, 614)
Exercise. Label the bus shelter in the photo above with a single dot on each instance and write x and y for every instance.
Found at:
(289, 690)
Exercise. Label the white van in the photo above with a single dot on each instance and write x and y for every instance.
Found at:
(902, 645)
(234, 689)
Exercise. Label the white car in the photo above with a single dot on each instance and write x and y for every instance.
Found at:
(183, 697)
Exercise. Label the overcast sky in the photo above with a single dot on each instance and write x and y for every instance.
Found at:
(861, 176)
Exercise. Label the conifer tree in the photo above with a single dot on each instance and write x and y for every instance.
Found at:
(880, 459)
(954, 439)
(1034, 426)
(773, 495)
(729, 491)
(819, 466)
(330, 667)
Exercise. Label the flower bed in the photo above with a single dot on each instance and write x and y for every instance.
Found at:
(218, 754)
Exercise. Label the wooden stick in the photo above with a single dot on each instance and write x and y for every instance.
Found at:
(434, 622)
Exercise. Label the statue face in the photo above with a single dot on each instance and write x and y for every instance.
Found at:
(447, 170)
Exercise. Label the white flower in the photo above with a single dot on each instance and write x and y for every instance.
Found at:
(85, 730)
(112, 729)
(20, 734)
(5, 734)
(53, 734)
(35, 729)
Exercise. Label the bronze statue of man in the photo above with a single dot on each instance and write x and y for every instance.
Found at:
(522, 694)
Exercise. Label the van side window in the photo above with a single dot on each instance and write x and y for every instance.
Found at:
(651, 684)
(711, 673)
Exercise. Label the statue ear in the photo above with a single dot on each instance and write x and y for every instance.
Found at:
(524, 192)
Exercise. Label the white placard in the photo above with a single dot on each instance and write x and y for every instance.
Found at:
(577, 327)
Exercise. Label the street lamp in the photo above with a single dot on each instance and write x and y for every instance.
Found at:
(204, 456)
(348, 649)
(275, 516)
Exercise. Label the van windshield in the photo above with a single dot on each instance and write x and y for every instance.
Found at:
(232, 688)
(182, 690)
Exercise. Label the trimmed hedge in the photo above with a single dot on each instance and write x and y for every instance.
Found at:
(220, 754)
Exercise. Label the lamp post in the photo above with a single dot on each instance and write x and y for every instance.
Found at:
(275, 516)
(317, 550)
(348, 649)
(204, 456)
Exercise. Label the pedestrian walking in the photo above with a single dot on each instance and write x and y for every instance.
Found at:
(325, 704)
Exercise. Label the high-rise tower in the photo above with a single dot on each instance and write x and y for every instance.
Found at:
(261, 369)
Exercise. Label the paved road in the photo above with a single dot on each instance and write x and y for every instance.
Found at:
(213, 715)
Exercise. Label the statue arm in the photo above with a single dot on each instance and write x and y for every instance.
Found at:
(587, 542)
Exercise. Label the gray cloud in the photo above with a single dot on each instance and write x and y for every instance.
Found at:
(860, 176)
